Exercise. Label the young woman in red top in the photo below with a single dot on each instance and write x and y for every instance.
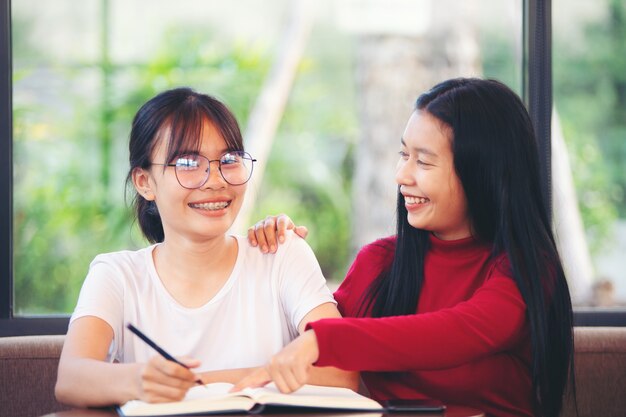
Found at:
(468, 303)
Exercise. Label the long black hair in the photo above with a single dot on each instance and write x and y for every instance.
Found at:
(183, 112)
(497, 161)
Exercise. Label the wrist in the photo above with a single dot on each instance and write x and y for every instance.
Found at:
(312, 345)
(134, 390)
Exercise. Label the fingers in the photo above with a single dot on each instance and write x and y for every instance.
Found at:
(252, 237)
(267, 234)
(288, 374)
(302, 231)
(283, 223)
(269, 228)
(263, 235)
(289, 369)
(285, 376)
(154, 392)
(255, 379)
(189, 362)
(259, 233)
(163, 380)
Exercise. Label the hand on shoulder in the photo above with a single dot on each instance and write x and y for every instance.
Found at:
(267, 234)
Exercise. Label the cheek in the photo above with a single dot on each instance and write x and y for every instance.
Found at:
(239, 194)
(458, 200)
(240, 190)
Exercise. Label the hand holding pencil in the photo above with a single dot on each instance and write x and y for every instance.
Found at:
(163, 377)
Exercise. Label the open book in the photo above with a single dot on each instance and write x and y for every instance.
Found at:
(215, 399)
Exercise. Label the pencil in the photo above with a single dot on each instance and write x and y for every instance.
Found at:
(158, 348)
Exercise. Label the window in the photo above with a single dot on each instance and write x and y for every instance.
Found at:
(589, 148)
(80, 69)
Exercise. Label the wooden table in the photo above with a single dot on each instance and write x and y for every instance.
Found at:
(451, 411)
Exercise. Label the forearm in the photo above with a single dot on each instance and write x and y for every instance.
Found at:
(494, 320)
(334, 377)
(227, 375)
(84, 382)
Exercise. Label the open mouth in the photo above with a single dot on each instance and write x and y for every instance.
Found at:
(415, 200)
(212, 206)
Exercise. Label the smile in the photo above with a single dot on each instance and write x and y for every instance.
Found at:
(415, 200)
(211, 206)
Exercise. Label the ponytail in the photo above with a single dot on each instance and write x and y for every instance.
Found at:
(149, 220)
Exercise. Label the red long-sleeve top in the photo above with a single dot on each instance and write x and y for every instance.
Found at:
(468, 343)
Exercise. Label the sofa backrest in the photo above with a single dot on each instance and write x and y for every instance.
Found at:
(28, 373)
(600, 368)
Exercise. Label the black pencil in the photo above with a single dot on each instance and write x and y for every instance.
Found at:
(158, 348)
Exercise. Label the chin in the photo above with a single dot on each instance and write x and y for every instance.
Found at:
(416, 223)
(216, 227)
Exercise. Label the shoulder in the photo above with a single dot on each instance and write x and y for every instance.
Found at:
(377, 253)
(123, 256)
(122, 263)
(294, 246)
(370, 261)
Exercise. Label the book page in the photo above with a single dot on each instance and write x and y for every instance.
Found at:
(217, 389)
(314, 396)
(214, 398)
(209, 398)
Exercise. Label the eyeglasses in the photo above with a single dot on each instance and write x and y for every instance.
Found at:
(192, 171)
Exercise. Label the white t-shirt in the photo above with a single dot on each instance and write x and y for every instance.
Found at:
(252, 317)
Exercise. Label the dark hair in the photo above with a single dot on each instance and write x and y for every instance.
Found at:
(497, 161)
(184, 112)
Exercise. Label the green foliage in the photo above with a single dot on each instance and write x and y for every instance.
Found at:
(498, 58)
(590, 96)
(309, 173)
(63, 213)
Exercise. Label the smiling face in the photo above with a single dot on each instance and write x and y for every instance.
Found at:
(195, 214)
(433, 194)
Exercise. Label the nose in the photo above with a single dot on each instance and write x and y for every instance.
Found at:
(404, 174)
(215, 180)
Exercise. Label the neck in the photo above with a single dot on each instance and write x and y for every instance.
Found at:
(192, 260)
(193, 272)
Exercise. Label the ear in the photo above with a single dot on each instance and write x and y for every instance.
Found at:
(141, 181)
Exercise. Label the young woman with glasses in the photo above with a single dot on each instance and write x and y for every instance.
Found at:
(204, 296)
(468, 302)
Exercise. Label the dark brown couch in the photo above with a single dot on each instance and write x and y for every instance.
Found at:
(28, 372)
(28, 369)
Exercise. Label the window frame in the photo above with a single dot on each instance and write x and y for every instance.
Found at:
(537, 93)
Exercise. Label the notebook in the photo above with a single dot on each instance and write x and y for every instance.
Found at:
(215, 399)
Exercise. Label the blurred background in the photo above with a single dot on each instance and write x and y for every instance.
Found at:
(322, 90)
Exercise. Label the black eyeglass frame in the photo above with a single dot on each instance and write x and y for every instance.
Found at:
(243, 154)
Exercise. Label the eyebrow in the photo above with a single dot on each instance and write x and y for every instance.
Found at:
(196, 152)
(420, 150)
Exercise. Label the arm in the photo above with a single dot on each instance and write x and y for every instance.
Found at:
(305, 298)
(293, 366)
(493, 320)
(85, 379)
(329, 376)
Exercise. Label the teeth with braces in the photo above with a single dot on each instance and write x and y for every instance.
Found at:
(211, 206)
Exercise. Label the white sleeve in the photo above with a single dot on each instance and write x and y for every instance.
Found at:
(302, 284)
(102, 296)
